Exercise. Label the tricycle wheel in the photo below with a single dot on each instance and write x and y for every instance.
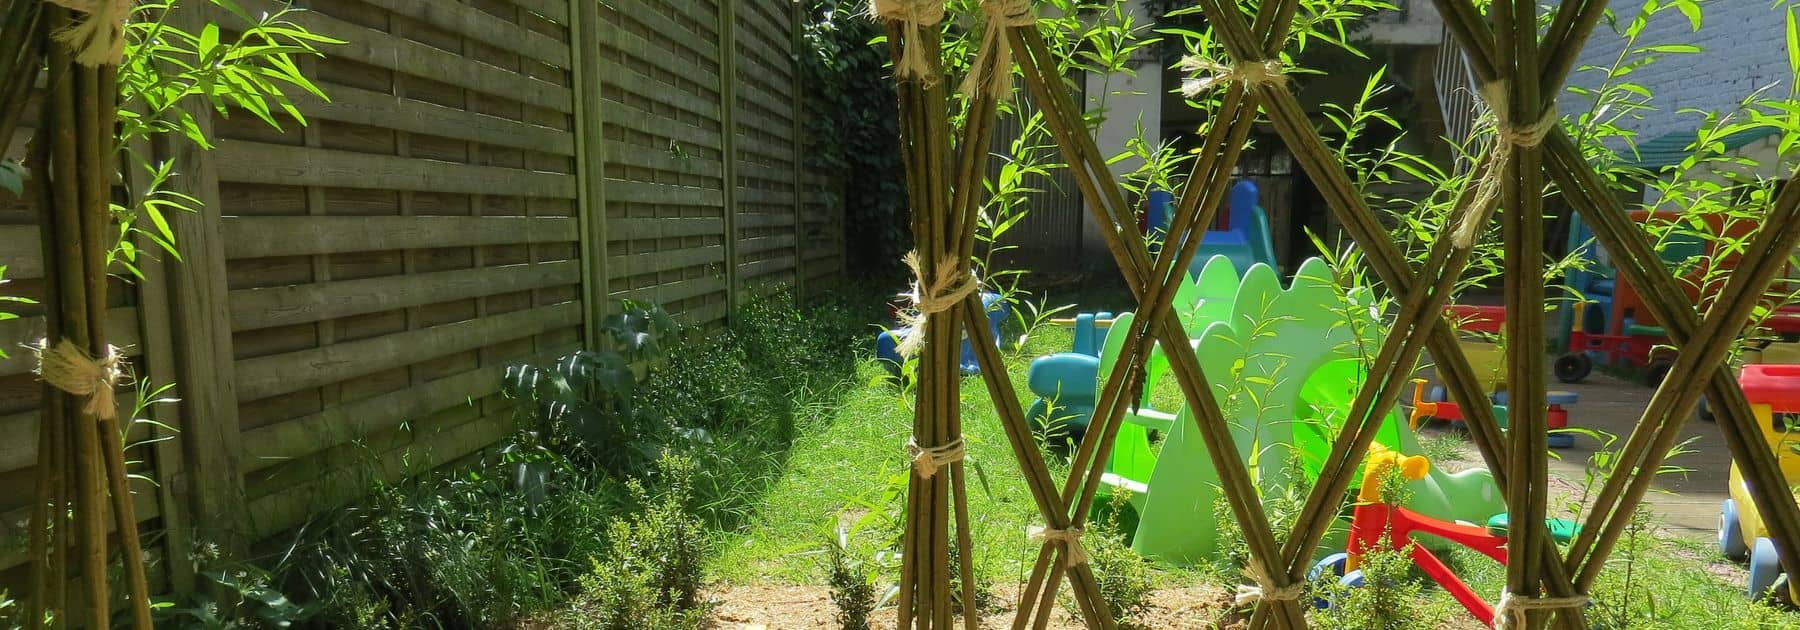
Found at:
(1731, 535)
(1657, 371)
(1573, 367)
(1765, 567)
(1332, 565)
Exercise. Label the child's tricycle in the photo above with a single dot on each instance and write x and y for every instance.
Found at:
(1374, 523)
(1633, 344)
(1489, 362)
(1774, 394)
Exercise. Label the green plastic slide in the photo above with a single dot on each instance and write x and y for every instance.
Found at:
(1283, 365)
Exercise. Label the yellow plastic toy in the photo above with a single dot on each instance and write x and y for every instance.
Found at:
(1774, 394)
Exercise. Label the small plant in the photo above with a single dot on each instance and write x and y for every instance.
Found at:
(1389, 598)
(852, 584)
(247, 594)
(1124, 577)
(651, 575)
(585, 405)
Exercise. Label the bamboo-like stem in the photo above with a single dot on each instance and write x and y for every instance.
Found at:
(1291, 122)
(1703, 354)
(1108, 207)
(48, 516)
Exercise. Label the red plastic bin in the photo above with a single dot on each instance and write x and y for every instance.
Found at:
(1777, 386)
(1483, 319)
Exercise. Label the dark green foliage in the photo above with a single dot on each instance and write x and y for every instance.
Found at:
(852, 132)
(585, 406)
(1124, 577)
(521, 530)
(852, 585)
(651, 574)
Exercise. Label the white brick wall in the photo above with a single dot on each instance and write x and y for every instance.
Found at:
(1743, 47)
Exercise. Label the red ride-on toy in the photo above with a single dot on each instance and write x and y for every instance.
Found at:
(1556, 415)
(1373, 518)
(1633, 344)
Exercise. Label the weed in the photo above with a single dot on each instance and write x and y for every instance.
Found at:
(1124, 577)
(852, 584)
(651, 575)
(1389, 598)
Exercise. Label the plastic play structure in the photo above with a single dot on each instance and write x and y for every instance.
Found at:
(1286, 371)
(1373, 518)
(887, 342)
(1489, 362)
(1611, 327)
(1240, 234)
(1774, 394)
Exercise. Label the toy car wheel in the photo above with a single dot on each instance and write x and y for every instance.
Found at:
(1353, 579)
(1332, 565)
(1560, 440)
(1731, 535)
(1657, 371)
(1765, 567)
(1573, 367)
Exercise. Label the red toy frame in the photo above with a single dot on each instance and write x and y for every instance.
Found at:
(1370, 520)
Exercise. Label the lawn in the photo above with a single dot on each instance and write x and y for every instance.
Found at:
(846, 474)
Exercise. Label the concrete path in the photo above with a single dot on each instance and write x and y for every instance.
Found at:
(1687, 503)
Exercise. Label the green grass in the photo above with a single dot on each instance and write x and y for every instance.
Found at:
(1652, 580)
(849, 468)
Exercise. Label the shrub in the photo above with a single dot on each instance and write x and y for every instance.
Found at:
(651, 575)
(852, 585)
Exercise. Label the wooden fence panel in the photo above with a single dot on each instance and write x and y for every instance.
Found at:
(388, 258)
(447, 211)
(664, 155)
(766, 139)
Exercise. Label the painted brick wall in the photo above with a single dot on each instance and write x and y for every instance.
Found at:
(1743, 46)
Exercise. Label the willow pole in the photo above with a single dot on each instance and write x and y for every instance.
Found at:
(81, 467)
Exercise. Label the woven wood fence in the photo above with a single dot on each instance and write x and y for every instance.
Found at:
(486, 180)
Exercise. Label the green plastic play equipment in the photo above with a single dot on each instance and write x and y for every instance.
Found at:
(1282, 362)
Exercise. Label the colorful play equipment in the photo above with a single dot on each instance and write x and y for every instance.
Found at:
(1481, 325)
(1373, 519)
(1610, 326)
(1240, 234)
(1437, 408)
(887, 342)
(1286, 372)
(1773, 391)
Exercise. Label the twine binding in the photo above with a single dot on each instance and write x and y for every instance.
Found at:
(947, 288)
(1069, 538)
(1511, 611)
(993, 64)
(926, 462)
(99, 38)
(71, 369)
(913, 15)
(1264, 588)
(1509, 137)
(1249, 73)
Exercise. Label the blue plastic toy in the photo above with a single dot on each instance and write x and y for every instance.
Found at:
(887, 343)
(1241, 235)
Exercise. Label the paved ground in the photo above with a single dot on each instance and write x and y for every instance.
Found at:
(1686, 503)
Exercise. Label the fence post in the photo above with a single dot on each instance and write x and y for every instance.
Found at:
(205, 373)
(156, 368)
(590, 165)
(801, 188)
(728, 146)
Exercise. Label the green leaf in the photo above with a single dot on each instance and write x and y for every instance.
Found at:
(12, 177)
(1793, 44)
